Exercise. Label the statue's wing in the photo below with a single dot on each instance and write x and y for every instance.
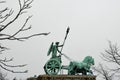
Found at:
(50, 49)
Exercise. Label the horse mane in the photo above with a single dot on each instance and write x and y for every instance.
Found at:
(88, 59)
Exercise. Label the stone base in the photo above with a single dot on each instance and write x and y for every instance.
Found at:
(66, 77)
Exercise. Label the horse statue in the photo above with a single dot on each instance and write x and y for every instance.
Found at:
(81, 67)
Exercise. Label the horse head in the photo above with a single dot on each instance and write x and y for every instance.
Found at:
(89, 60)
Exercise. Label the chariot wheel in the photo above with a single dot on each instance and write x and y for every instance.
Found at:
(52, 67)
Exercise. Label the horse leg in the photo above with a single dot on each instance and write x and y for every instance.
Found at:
(84, 72)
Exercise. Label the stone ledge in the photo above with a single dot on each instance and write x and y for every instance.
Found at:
(66, 77)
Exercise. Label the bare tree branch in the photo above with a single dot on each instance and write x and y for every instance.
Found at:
(6, 21)
(3, 76)
(105, 73)
(2, 1)
(2, 49)
(5, 17)
(112, 54)
(4, 63)
(13, 70)
(6, 60)
(26, 5)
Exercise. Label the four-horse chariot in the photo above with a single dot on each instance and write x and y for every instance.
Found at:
(54, 65)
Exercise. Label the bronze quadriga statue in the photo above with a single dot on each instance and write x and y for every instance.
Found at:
(75, 70)
(54, 65)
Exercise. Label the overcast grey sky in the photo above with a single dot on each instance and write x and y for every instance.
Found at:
(91, 22)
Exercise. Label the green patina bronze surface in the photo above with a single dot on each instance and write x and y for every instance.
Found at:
(54, 49)
(54, 65)
(81, 67)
